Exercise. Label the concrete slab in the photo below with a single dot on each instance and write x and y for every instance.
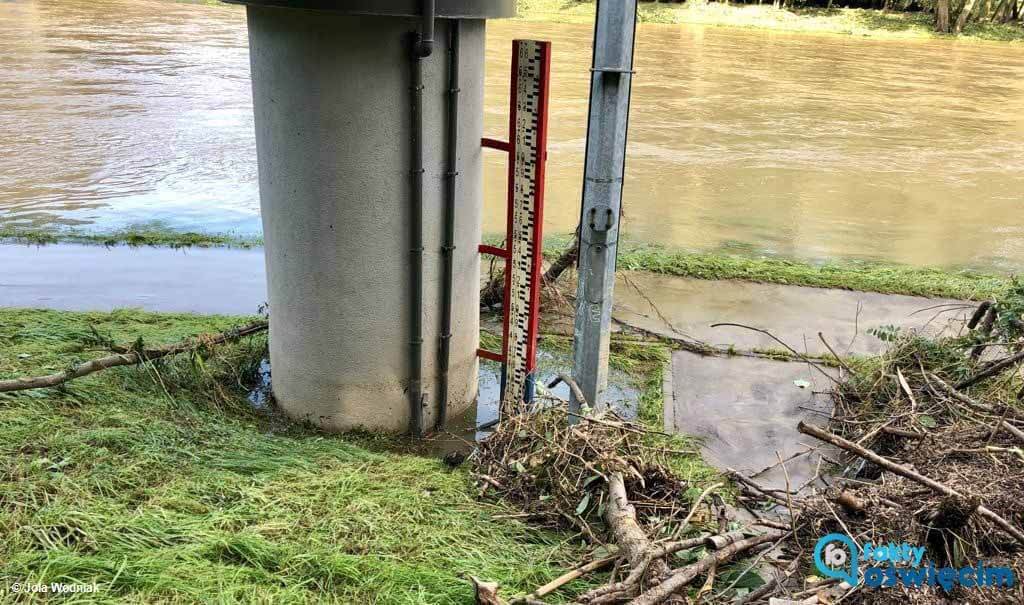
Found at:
(746, 410)
(793, 313)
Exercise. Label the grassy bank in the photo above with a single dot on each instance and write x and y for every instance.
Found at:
(160, 484)
(147, 234)
(857, 22)
(849, 275)
(879, 277)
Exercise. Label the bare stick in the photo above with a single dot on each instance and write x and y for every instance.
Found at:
(636, 546)
(565, 578)
(129, 357)
(839, 360)
(1016, 432)
(994, 368)
(969, 401)
(621, 518)
(903, 471)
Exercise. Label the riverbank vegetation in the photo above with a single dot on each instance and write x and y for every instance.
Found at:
(865, 276)
(146, 234)
(161, 482)
(888, 19)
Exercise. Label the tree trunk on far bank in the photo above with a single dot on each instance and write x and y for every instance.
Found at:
(965, 14)
(942, 16)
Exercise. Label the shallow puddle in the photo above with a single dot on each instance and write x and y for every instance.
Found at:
(476, 423)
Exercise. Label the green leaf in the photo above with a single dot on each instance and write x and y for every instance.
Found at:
(926, 421)
(582, 506)
(748, 580)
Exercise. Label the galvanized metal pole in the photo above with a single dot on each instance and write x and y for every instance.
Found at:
(610, 81)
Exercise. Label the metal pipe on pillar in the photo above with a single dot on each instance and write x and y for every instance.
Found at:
(448, 246)
(350, 211)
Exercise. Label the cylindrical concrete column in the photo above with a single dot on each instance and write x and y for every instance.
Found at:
(332, 103)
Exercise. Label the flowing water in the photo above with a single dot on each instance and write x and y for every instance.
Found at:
(116, 112)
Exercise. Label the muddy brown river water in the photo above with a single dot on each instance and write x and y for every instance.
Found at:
(116, 112)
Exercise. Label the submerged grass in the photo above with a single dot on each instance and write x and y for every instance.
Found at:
(848, 21)
(160, 484)
(850, 275)
(846, 274)
(145, 234)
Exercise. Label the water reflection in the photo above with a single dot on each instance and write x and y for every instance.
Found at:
(118, 112)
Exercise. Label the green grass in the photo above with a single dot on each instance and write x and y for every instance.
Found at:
(146, 234)
(851, 275)
(856, 22)
(161, 485)
(846, 274)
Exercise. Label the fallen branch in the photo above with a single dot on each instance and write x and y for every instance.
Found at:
(700, 347)
(903, 471)
(129, 356)
(621, 518)
(992, 369)
(681, 577)
(970, 401)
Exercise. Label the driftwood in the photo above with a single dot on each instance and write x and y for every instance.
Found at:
(129, 356)
(903, 471)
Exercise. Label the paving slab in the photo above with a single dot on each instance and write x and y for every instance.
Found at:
(674, 305)
(745, 412)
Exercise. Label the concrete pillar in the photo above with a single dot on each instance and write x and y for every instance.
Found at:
(332, 104)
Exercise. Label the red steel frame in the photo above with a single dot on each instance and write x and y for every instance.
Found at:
(506, 253)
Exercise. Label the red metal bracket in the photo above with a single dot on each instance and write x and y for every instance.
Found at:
(496, 144)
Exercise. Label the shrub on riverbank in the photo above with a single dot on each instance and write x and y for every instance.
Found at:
(850, 21)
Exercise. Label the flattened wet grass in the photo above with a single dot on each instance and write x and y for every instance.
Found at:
(160, 484)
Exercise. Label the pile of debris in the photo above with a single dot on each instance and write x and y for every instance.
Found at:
(934, 434)
(611, 480)
(931, 442)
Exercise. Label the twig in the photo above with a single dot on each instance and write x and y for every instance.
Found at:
(1019, 434)
(903, 471)
(906, 388)
(839, 360)
(802, 357)
(569, 576)
(128, 357)
(770, 585)
(693, 509)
